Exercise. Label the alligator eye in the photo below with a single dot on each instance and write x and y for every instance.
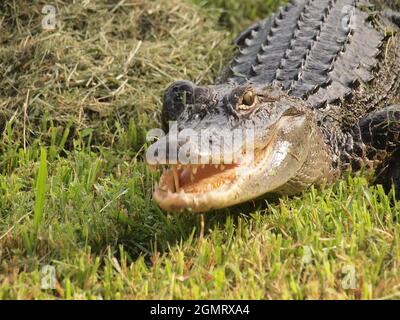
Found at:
(248, 98)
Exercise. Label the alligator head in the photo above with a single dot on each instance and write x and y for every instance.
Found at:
(228, 144)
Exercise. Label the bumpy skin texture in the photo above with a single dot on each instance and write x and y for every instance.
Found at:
(339, 59)
(321, 51)
(337, 56)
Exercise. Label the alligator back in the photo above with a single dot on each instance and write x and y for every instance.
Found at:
(317, 50)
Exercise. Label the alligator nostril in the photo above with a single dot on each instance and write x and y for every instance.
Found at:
(180, 91)
(177, 96)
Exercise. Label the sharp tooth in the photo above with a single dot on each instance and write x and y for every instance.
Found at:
(216, 166)
(203, 166)
(176, 178)
(194, 170)
(191, 177)
(179, 167)
(222, 167)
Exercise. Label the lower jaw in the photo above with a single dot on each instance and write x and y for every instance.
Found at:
(196, 197)
(177, 202)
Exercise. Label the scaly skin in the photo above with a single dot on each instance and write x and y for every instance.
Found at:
(319, 84)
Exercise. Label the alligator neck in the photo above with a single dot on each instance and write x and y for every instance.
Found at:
(322, 164)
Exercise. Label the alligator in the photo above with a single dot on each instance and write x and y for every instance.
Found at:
(318, 81)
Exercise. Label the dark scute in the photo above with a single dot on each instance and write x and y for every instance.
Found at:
(311, 49)
(381, 129)
(393, 16)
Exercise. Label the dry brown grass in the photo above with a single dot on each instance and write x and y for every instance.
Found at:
(105, 64)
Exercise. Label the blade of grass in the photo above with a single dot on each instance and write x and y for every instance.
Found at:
(40, 191)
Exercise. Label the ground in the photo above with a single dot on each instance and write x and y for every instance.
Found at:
(76, 216)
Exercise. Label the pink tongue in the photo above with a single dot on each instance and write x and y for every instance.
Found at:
(202, 173)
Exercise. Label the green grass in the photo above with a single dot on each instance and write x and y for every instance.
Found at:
(75, 194)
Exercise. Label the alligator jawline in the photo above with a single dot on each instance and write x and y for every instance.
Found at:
(214, 187)
(196, 187)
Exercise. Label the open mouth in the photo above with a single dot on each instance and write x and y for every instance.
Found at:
(205, 186)
(197, 178)
(270, 164)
